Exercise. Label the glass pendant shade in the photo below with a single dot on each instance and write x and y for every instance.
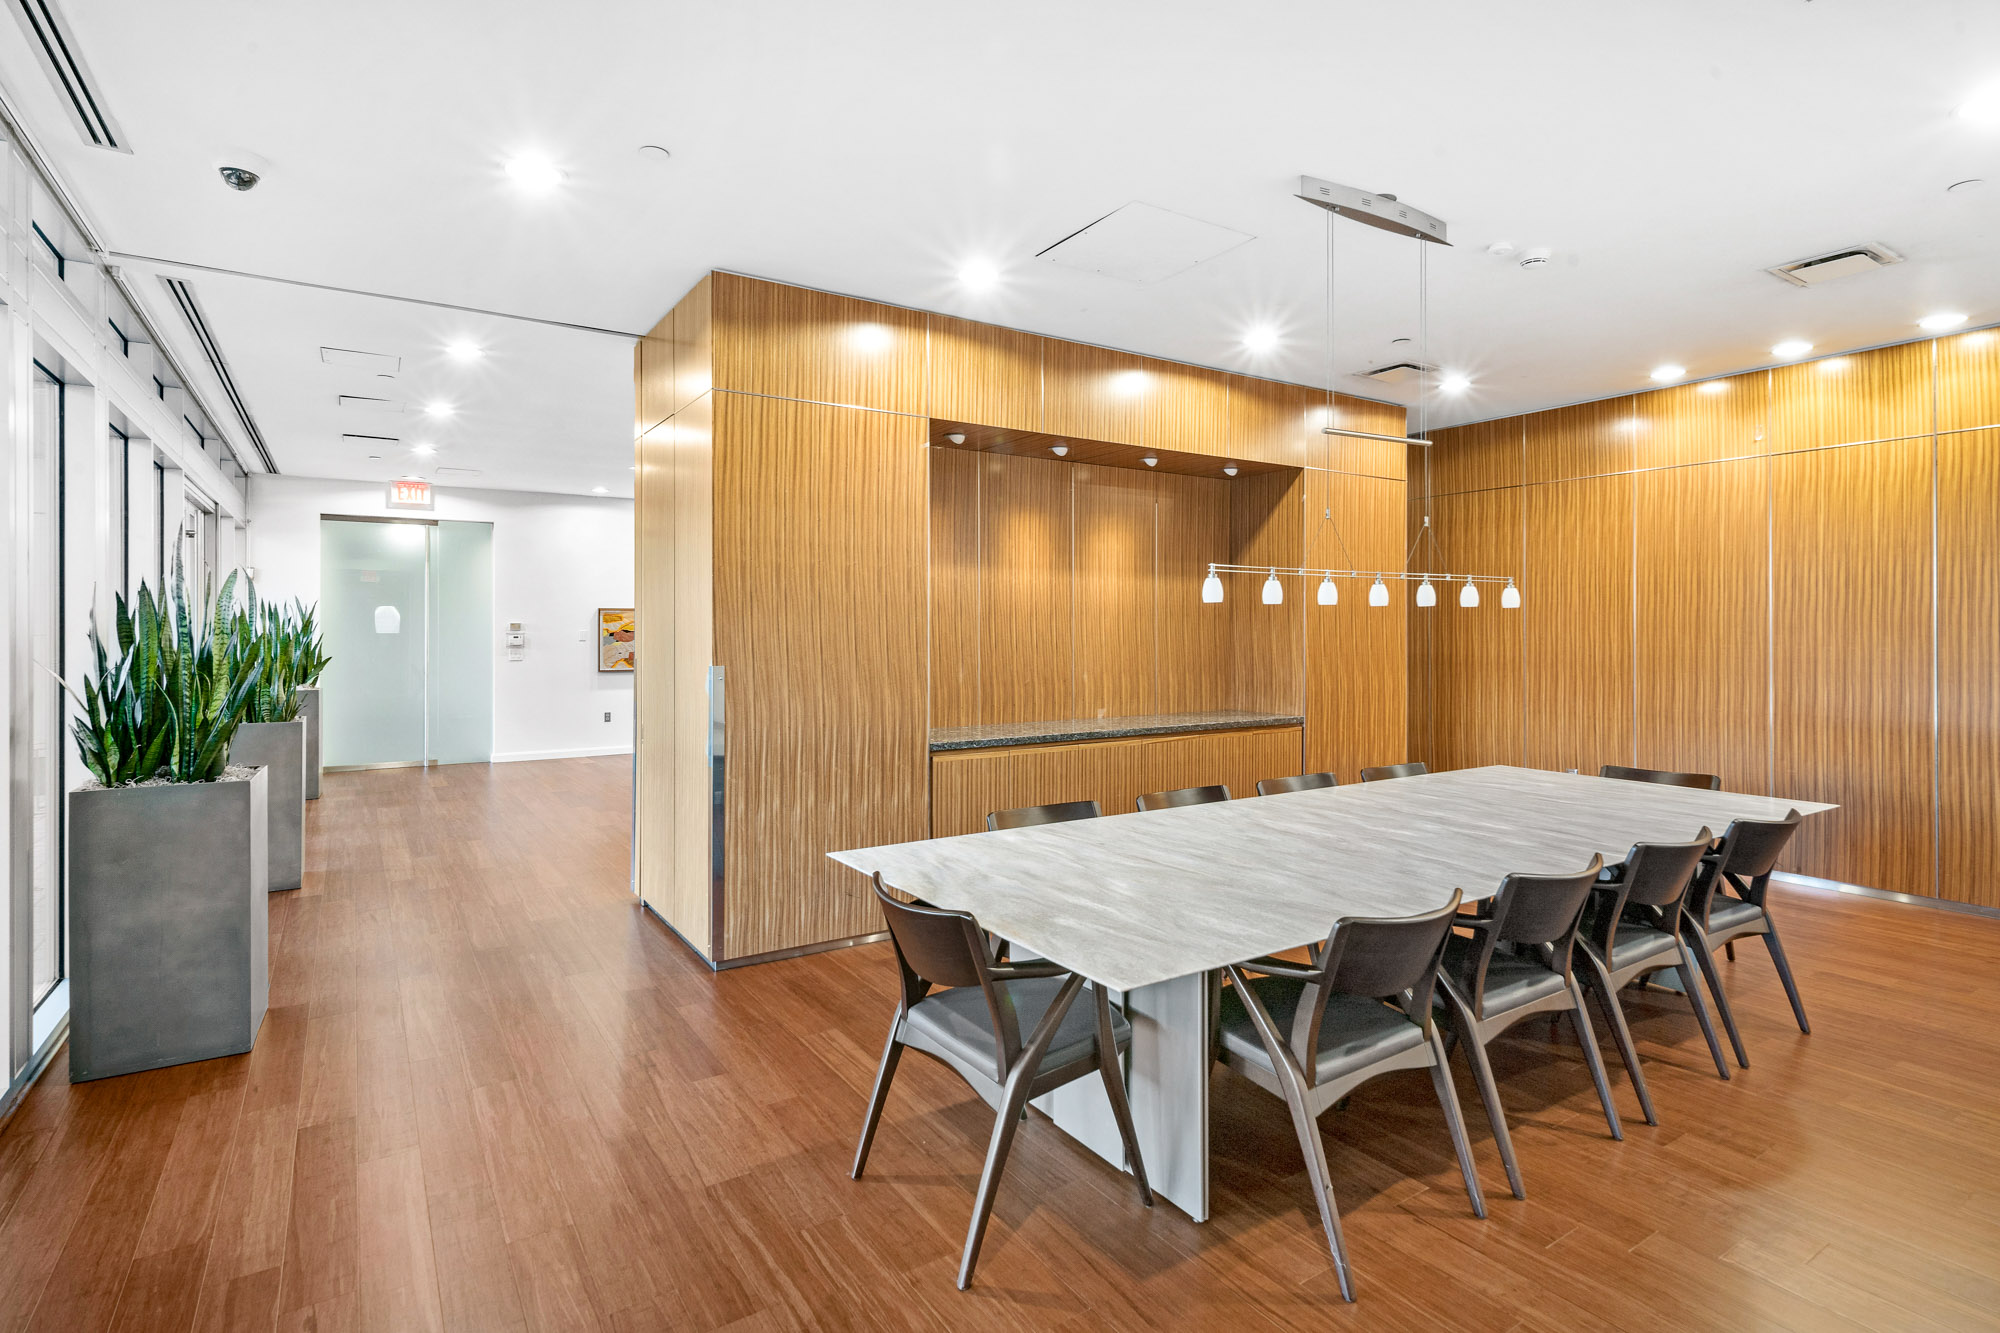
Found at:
(1469, 594)
(1328, 594)
(1510, 596)
(1211, 587)
(1378, 595)
(1274, 593)
(1426, 594)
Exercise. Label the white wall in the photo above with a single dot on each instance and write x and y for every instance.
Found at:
(556, 559)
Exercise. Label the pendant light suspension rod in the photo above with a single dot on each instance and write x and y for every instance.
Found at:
(1407, 575)
(1371, 435)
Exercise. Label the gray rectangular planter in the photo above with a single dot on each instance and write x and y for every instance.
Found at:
(309, 714)
(169, 929)
(280, 747)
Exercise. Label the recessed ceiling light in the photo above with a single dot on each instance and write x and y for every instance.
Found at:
(1668, 374)
(979, 275)
(1454, 384)
(1263, 338)
(1983, 107)
(1791, 348)
(423, 448)
(464, 350)
(438, 409)
(531, 171)
(1940, 321)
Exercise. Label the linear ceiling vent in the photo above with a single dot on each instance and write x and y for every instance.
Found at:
(1837, 264)
(376, 363)
(184, 297)
(1400, 373)
(360, 403)
(48, 32)
(1141, 243)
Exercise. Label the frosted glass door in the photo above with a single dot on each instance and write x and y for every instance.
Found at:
(461, 642)
(373, 602)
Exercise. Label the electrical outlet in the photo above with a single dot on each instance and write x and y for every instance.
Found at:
(607, 717)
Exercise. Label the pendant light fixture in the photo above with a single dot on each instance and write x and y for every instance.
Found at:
(1469, 594)
(1510, 597)
(1274, 592)
(1379, 594)
(1328, 594)
(1211, 587)
(1426, 594)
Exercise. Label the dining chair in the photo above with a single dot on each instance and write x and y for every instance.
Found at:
(1167, 800)
(1303, 782)
(1517, 962)
(1027, 816)
(1387, 771)
(1312, 1033)
(1749, 853)
(1664, 777)
(1634, 930)
(974, 1028)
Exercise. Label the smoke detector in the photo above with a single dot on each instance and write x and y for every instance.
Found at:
(1854, 259)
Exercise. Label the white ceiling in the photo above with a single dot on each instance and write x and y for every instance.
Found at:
(1666, 153)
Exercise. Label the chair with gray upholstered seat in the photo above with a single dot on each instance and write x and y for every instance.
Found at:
(1663, 777)
(1028, 816)
(1303, 782)
(1518, 962)
(1011, 1030)
(1387, 771)
(1634, 930)
(1168, 800)
(1312, 1033)
(1749, 853)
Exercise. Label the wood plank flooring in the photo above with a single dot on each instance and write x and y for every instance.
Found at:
(492, 1094)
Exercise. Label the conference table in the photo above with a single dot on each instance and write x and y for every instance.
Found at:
(1152, 905)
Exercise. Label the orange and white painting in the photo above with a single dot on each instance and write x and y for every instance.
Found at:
(615, 637)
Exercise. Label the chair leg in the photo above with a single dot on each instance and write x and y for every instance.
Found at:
(1292, 1079)
(1454, 1121)
(891, 1054)
(1621, 1032)
(1579, 1017)
(1114, 1092)
(1704, 957)
(1489, 1091)
(1785, 972)
(1686, 971)
(1013, 1102)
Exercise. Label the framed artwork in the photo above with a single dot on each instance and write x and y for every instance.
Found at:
(614, 638)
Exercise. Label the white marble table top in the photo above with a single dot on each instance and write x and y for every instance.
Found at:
(1131, 900)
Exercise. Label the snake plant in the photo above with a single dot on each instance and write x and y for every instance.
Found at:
(168, 704)
(284, 646)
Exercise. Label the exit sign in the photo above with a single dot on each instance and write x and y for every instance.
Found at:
(409, 494)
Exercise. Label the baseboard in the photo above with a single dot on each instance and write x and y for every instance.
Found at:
(1886, 895)
(529, 756)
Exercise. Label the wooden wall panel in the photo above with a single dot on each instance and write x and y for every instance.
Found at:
(653, 375)
(1577, 607)
(1885, 394)
(1356, 672)
(1968, 380)
(1586, 440)
(1473, 458)
(1419, 656)
(653, 683)
(693, 487)
(1372, 458)
(1267, 527)
(1026, 577)
(1703, 640)
(792, 342)
(1476, 700)
(966, 785)
(1851, 673)
(693, 326)
(1969, 665)
(984, 374)
(1699, 423)
(1114, 610)
(955, 586)
(1187, 408)
(1268, 421)
(1191, 515)
(820, 595)
(1093, 392)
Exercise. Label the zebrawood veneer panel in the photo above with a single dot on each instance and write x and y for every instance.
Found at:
(1586, 440)
(654, 680)
(1027, 565)
(792, 342)
(1699, 423)
(653, 376)
(1883, 394)
(1851, 649)
(693, 322)
(1473, 458)
(1093, 392)
(1191, 517)
(965, 788)
(1703, 638)
(1356, 678)
(1968, 380)
(1114, 605)
(820, 597)
(1267, 527)
(955, 587)
(1372, 458)
(1969, 666)
(1578, 623)
(984, 373)
(1187, 408)
(693, 442)
(1476, 699)
(1268, 421)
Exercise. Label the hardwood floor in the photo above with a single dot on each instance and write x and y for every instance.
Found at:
(491, 1094)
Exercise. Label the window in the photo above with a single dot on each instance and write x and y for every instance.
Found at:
(160, 388)
(124, 342)
(61, 262)
(121, 468)
(45, 610)
(159, 526)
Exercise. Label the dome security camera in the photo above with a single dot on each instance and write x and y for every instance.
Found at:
(239, 178)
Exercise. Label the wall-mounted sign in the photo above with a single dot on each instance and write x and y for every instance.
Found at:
(409, 493)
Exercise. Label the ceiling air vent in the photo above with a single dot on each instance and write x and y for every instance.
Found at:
(1836, 264)
(198, 323)
(1400, 373)
(48, 32)
(1141, 243)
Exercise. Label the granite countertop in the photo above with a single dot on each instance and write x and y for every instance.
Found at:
(1099, 728)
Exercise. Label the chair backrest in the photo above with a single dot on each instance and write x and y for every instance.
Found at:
(1027, 816)
(1303, 782)
(1664, 777)
(1387, 771)
(1751, 847)
(945, 948)
(1538, 910)
(1167, 800)
(1656, 876)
